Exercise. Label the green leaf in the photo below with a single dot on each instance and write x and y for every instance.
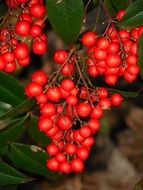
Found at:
(4, 108)
(13, 131)
(124, 93)
(9, 175)
(11, 91)
(66, 18)
(114, 6)
(3, 9)
(133, 15)
(30, 158)
(37, 135)
(19, 110)
(140, 55)
(9, 187)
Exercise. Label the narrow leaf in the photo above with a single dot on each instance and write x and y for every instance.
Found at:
(11, 91)
(140, 55)
(9, 175)
(66, 18)
(30, 158)
(13, 131)
(133, 15)
(19, 110)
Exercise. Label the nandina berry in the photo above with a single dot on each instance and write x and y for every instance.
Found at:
(48, 109)
(120, 14)
(100, 54)
(68, 69)
(21, 51)
(102, 92)
(9, 57)
(85, 131)
(116, 99)
(89, 39)
(22, 28)
(103, 43)
(52, 149)
(113, 47)
(111, 79)
(64, 122)
(53, 94)
(77, 137)
(88, 142)
(53, 164)
(72, 100)
(39, 77)
(133, 69)
(94, 125)
(77, 165)
(70, 149)
(97, 113)
(113, 61)
(41, 99)
(39, 47)
(53, 131)
(105, 103)
(45, 124)
(67, 84)
(93, 70)
(37, 10)
(36, 30)
(10, 67)
(60, 56)
(65, 167)
(83, 109)
(34, 89)
(60, 157)
(24, 62)
(82, 153)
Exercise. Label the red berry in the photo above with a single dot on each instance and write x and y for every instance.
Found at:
(60, 56)
(116, 99)
(21, 51)
(52, 149)
(39, 77)
(83, 109)
(22, 28)
(82, 153)
(53, 164)
(77, 165)
(85, 131)
(70, 149)
(39, 47)
(53, 94)
(34, 89)
(37, 10)
(65, 167)
(67, 84)
(48, 109)
(89, 39)
(93, 125)
(64, 122)
(60, 157)
(45, 124)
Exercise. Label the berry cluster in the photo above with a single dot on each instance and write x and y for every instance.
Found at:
(14, 41)
(114, 54)
(69, 115)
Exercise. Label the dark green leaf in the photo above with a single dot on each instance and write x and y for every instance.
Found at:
(4, 108)
(140, 55)
(37, 135)
(11, 91)
(124, 93)
(133, 15)
(139, 186)
(19, 110)
(30, 158)
(114, 6)
(13, 131)
(3, 9)
(66, 18)
(9, 175)
(9, 187)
